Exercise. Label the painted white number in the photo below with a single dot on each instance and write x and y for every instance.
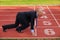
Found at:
(44, 17)
(47, 23)
(49, 32)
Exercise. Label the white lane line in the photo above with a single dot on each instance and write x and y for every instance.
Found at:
(53, 16)
(35, 29)
(28, 37)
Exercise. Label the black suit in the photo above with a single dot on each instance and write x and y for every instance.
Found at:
(23, 18)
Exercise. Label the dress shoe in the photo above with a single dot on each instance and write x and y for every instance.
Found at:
(4, 29)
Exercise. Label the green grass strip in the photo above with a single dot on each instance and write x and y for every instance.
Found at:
(29, 2)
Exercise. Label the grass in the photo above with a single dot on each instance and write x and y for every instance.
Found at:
(30, 2)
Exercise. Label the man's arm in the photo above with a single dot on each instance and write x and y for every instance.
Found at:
(32, 23)
(35, 22)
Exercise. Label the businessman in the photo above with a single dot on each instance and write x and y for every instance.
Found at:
(24, 20)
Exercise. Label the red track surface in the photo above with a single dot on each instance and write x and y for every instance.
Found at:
(7, 16)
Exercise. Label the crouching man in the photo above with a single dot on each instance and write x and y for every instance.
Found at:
(26, 19)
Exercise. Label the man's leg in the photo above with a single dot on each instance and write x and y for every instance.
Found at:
(24, 24)
(22, 27)
(9, 26)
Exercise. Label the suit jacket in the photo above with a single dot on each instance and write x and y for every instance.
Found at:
(27, 17)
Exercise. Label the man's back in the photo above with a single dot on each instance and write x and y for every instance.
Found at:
(27, 15)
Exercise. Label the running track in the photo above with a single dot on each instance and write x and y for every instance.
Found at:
(48, 24)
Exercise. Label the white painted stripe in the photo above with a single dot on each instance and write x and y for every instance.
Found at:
(26, 37)
(53, 16)
(35, 29)
(34, 8)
